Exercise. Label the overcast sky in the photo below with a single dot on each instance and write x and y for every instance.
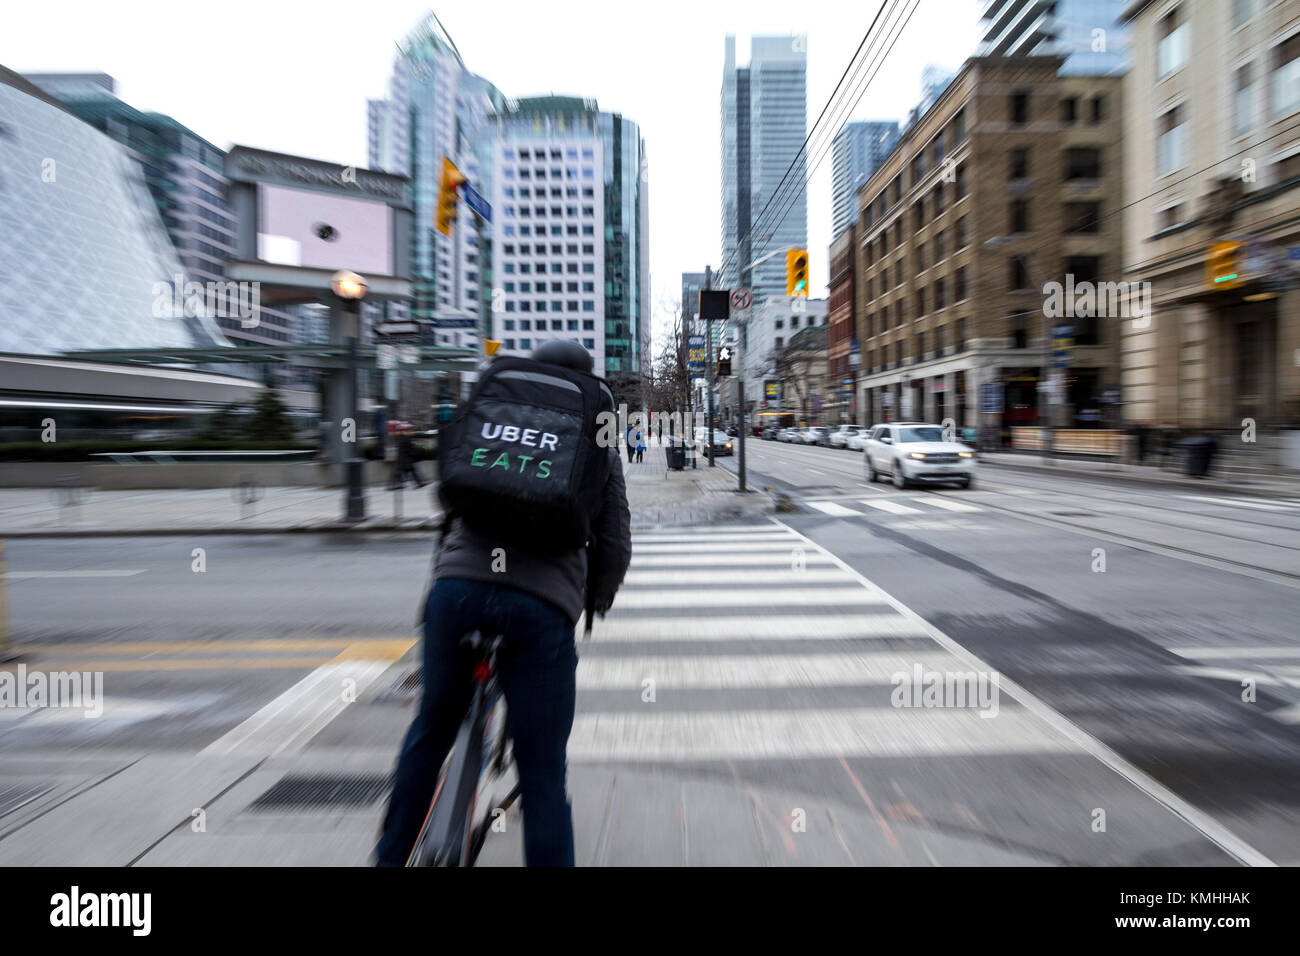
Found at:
(294, 76)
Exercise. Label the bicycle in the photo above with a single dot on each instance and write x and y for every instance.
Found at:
(449, 835)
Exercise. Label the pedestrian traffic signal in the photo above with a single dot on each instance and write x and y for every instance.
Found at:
(1223, 265)
(796, 272)
(724, 361)
(448, 197)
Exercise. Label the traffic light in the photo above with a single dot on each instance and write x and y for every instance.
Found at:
(1223, 265)
(724, 361)
(490, 346)
(448, 197)
(796, 272)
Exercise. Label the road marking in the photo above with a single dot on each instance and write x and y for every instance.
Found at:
(210, 648)
(108, 573)
(775, 559)
(684, 548)
(292, 719)
(948, 505)
(747, 627)
(1198, 819)
(868, 669)
(1238, 503)
(831, 508)
(1221, 653)
(893, 507)
(734, 576)
(789, 734)
(639, 541)
(852, 593)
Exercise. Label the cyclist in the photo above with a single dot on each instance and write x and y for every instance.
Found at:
(533, 600)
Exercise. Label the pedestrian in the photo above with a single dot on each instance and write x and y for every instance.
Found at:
(631, 447)
(406, 461)
(532, 602)
(640, 447)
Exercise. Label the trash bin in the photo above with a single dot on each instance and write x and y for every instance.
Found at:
(676, 457)
(1197, 453)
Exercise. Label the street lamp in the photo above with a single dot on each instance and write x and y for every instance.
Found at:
(350, 288)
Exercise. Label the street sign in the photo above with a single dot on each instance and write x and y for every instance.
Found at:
(772, 391)
(386, 356)
(397, 328)
(408, 354)
(715, 305)
(740, 299)
(697, 353)
(474, 199)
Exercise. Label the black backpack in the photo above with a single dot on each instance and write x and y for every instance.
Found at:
(520, 461)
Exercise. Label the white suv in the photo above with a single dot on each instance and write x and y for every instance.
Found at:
(913, 452)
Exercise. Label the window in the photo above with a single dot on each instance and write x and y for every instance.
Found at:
(936, 152)
(1171, 144)
(1243, 113)
(1019, 108)
(588, 287)
(571, 287)
(918, 215)
(794, 322)
(573, 305)
(1019, 216)
(1018, 273)
(898, 272)
(1083, 162)
(1169, 217)
(941, 294)
(526, 344)
(960, 343)
(557, 325)
(1069, 109)
(1084, 269)
(958, 128)
(1242, 10)
(541, 305)
(510, 344)
(588, 343)
(1286, 75)
(919, 354)
(1287, 168)
(1019, 164)
(588, 325)
(940, 246)
(588, 306)
(1098, 109)
(920, 257)
(961, 233)
(526, 325)
(920, 301)
(1082, 217)
(1171, 51)
(959, 284)
(939, 336)
(962, 183)
(589, 267)
(509, 325)
(779, 341)
(918, 168)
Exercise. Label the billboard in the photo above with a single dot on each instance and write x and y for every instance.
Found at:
(316, 230)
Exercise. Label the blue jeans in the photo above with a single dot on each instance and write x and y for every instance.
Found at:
(537, 673)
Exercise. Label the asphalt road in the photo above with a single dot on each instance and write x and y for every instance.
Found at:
(1198, 595)
(771, 647)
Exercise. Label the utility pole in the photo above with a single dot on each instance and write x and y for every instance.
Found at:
(708, 364)
(740, 381)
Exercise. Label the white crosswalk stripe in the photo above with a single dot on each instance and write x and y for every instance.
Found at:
(728, 614)
(832, 508)
(891, 507)
(894, 506)
(1273, 668)
(947, 504)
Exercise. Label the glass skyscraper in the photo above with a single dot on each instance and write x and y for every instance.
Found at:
(764, 123)
(1088, 33)
(858, 150)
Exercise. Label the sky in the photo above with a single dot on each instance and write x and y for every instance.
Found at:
(294, 77)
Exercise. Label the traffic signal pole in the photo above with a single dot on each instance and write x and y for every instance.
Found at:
(708, 364)
(740, 382)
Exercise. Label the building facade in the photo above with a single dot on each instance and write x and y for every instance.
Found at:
(570, 233)
(842, 346)
(774, 381)
(1213, 156)
(857, 151)
(1090, 34)
(764, 124)
(1005, 190)
(436, 107)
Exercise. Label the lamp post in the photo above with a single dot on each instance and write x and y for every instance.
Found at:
(350, 289)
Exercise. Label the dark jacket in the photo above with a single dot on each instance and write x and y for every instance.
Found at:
(562, 579)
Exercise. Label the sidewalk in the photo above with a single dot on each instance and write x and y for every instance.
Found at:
(656, 497)
(1281, 485)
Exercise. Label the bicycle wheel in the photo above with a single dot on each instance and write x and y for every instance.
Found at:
(447, 835)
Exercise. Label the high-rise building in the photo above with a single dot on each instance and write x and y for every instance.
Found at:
(570, 234)
(435, 107)
(764, 124)
(1212, 169)
(183, 173)
(1088, 33)
(858, 150)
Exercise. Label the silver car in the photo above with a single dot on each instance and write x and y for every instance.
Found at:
(911, 452)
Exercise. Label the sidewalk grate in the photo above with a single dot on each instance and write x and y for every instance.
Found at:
(306, 793)
(17, 795)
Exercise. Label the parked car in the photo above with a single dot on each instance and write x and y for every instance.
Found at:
(819, 435)
(858, 440)
(786, 434)
(839, 438)
(769, 433)
(733, 430)
(911, 452)
(721, 444)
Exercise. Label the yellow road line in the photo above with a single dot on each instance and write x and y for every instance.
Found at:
(375, 650)
(214, 644)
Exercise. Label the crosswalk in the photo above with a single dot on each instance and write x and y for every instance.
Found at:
(1275, 669)
(753, 643)
(920, 505)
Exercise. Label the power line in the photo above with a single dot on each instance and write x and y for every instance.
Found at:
(804, 146)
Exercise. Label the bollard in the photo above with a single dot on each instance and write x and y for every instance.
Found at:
(248, 493)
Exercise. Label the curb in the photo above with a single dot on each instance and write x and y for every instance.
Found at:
(420, 526)
(1209, 484)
